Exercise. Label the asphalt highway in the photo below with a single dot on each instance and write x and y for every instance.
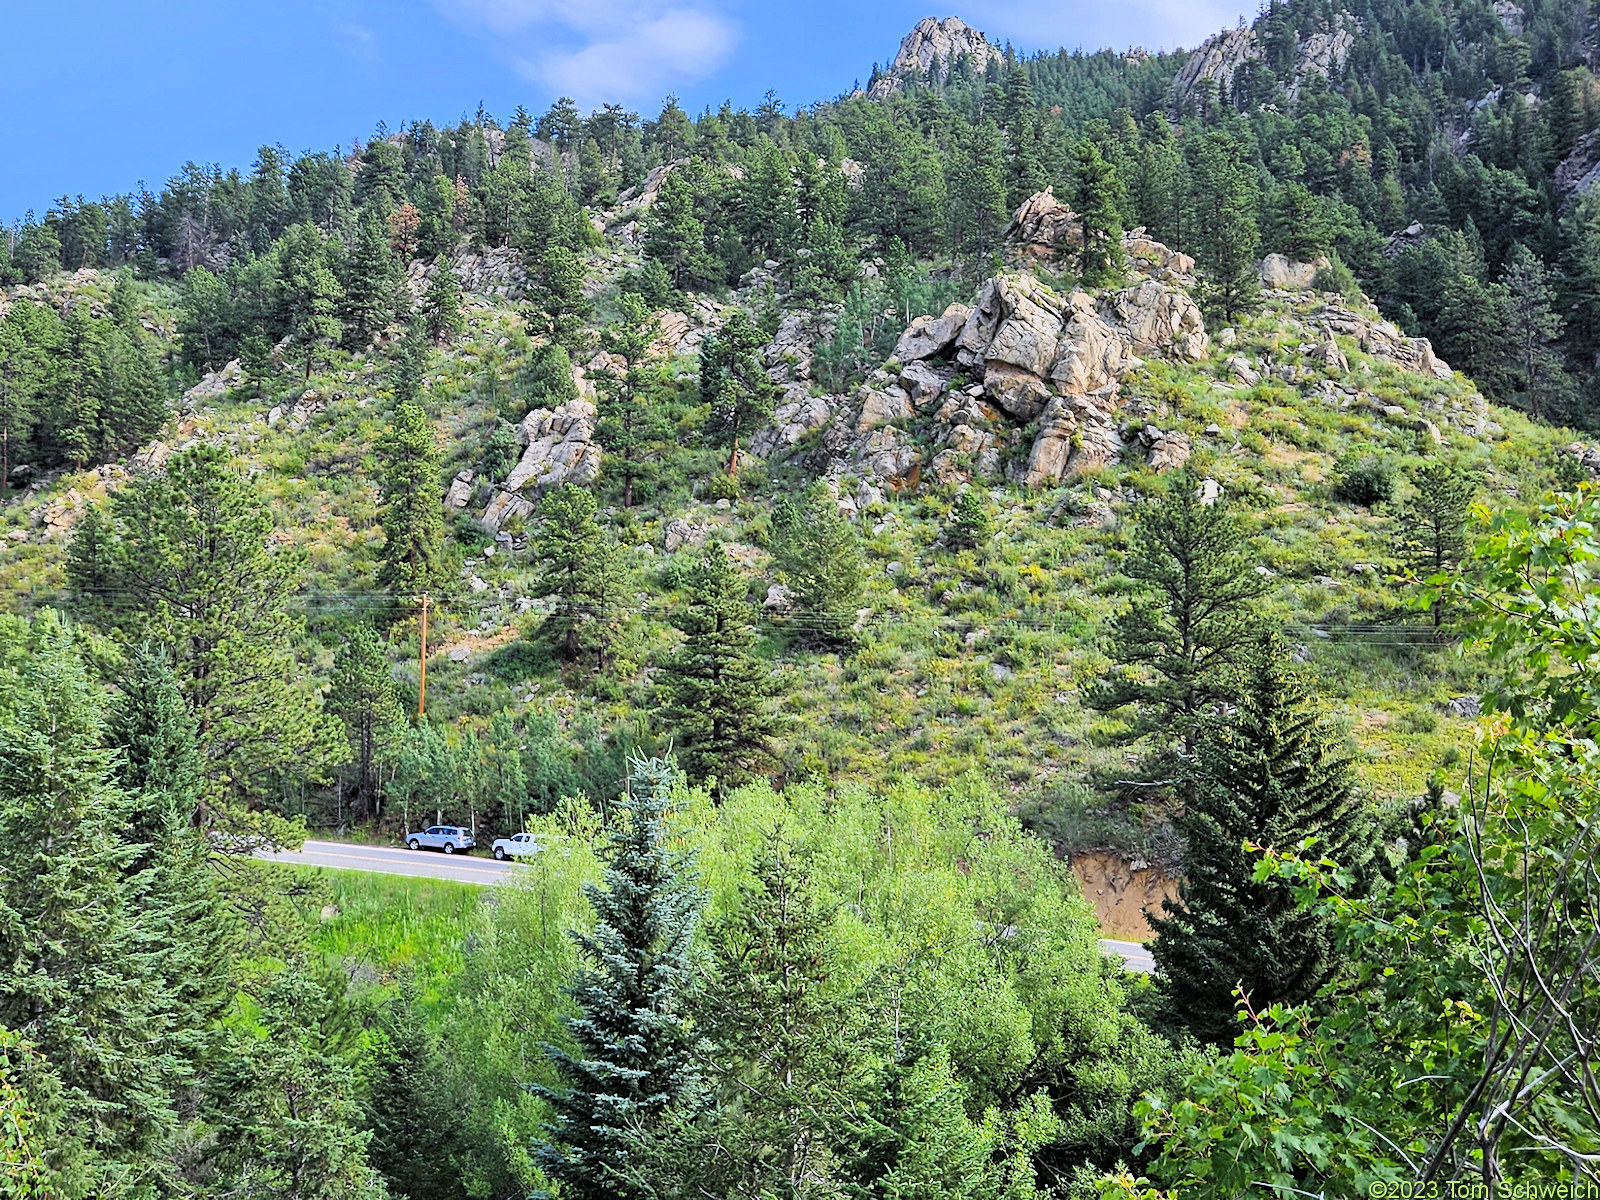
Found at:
(479, 868)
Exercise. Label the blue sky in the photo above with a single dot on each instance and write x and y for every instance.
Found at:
(104, 93)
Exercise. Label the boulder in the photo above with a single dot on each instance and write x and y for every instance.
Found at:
(1287, 275)
(890, 456)
(922, 383)
(1239, 367)
(1161, 320)
(1022, 394)
(927, 337)
(1043, 227)
(460, 493)
(1169, 450)
(882, 406)
(1148, 254)
(560, 448)
(1075, 433)
(1091, 354)
(680, 533)
(791, 421)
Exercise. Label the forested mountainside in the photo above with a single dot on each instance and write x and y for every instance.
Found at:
(825, 532)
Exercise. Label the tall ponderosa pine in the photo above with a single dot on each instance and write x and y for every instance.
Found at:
(1192, 619)
(582, 568)
(411, 511)
(308, 293)
(1225, 192)
(674, 234)
(818, 555)
(371, 278)
(184, 559)
(1097, 195)
(633, 1035)
(716, 692)
(633, 428)
(735, 385)
(363, 696)
(1271, 774)
(774, 1062)
(1433, 524)
(285, 1101)
(441, 303)
(183, 920)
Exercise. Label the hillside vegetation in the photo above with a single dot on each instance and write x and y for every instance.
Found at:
(819, 526)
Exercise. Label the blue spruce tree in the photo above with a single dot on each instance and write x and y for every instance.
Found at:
(633, 1035)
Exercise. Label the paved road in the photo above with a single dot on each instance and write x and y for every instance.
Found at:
(481, 869)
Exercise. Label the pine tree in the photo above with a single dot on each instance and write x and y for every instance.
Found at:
(363, 697)
(1532, 324)
(77, 978)
(1433, 525)
(412, 560)
(309, 294)
(818, 556)
(715, 691)
(441, 304)
(410, 366)
(633, 1034)
(25, 337)
(135, 405)
(735, 385)
(185, 561)
(1299, 223)
(1271, 774)
(285, 1102)
(581, 567)
(1193, 618)
(633, 429)
(184, 924)
(1097, 194)
(976, 185)
(674, 234)
(371, 277)
(967, 526)
(1226, 233)
(777, 1067)
(1025, 173)
(436, 207)
(561, 294)
(414, 1105)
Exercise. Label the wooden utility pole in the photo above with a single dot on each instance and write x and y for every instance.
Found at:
(422, 696)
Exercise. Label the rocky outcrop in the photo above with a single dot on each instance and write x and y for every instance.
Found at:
(1043, 227)
(496, 272)
(1382, 340)
(927, 337)
(1161, 320)
(1220, 57)
(560, 448)
(935, 46)
(799, 415)
(1166, 450)
(1284, 274)
(1580, 170)
(1151, 257)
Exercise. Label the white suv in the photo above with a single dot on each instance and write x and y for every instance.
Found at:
(448, 838)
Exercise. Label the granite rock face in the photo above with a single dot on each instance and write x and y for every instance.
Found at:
(937, 46)
(559, 447)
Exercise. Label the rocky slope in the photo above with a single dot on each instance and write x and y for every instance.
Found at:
(936, 45)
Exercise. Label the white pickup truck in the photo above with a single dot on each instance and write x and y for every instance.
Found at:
(521, 845)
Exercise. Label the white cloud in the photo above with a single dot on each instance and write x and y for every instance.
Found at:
(359, 42)
(1153, 24)
(604, 50)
